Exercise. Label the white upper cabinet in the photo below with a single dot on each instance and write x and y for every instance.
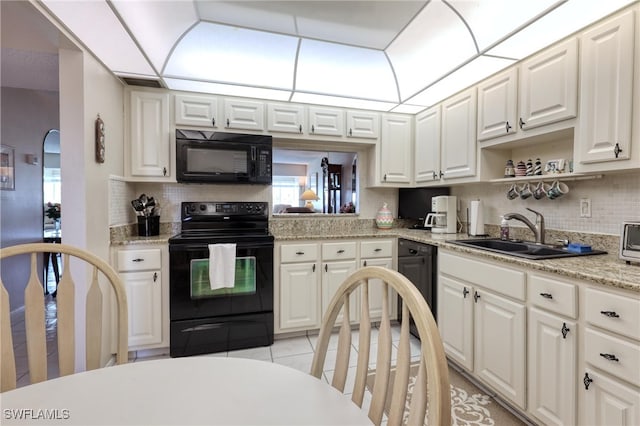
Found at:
(149, 144)
(497, 105)
(394, 154)
(286, 118)
(606, 93)
(549, 86)
(243, 114)
(363, 124)
(196, 110)
(326, 121)
(459, 135)
(427, 146)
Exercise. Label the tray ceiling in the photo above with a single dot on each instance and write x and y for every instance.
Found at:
(384, 55)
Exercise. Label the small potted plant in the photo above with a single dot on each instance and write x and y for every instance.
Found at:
(53, 212)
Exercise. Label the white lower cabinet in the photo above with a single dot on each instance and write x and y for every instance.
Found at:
(483, 328)
(524, 344)
(610, 368)
(141, 271)
(609, 402)
(333, 274)
(299, 295)
(552, 368)
(308, 274)
(378, 253)
(456, 321)
(499, 343)
(552, 340)
(297, 282)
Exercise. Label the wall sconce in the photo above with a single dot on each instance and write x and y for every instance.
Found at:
(32, 159)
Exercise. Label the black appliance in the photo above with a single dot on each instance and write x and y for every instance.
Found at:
(218, 157)
(415, 203)
(417, 262)
(204, 320)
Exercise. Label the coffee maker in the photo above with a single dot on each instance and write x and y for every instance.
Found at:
(444, 219)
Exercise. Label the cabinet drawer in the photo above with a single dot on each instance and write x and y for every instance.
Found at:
(371, 249)
(299, 253)
(612, 355)
(509, 282)
(553, 295)
(341, 250)
(613, 312)
(138, 260)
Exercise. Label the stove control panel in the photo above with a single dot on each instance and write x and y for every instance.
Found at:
(214, 208)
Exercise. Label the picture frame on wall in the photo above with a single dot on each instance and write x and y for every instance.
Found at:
(7, 168)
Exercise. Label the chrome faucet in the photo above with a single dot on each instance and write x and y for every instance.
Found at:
(537, 229)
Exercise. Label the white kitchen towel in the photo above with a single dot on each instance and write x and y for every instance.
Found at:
(476, 218)
(222, 266)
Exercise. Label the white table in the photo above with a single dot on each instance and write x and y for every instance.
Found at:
(183, 391)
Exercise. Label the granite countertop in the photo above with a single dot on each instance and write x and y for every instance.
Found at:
(606, 270)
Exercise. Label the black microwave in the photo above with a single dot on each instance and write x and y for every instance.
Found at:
(219, 157)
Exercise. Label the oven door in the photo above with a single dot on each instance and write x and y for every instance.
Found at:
(191, 296)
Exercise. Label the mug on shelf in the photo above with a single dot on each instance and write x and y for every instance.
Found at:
(525, 191)
(557, 190)
(541, 190)
(513, 192)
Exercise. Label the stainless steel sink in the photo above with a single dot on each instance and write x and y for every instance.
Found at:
(528, 250)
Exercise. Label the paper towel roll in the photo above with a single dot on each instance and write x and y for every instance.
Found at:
(476, 218)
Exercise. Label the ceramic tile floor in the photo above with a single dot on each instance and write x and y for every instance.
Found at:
(295, 352)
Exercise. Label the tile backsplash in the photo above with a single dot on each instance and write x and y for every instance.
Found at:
(614, 198)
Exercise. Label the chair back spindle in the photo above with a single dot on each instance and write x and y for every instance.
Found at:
(35, 321)
(432, 381)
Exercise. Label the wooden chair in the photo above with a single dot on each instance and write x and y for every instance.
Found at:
(35, 315)
(432, 383)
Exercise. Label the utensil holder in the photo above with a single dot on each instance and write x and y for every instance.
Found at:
(148, 226)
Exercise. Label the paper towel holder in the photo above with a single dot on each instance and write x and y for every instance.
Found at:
(479, 216)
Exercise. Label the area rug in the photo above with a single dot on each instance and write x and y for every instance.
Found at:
(470, 406)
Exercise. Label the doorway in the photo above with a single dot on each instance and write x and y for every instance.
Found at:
(52, 205)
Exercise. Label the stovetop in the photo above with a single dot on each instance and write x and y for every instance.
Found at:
(216, 222)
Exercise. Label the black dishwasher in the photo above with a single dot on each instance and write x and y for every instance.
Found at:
(417, 262)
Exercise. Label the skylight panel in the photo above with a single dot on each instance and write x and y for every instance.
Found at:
(347, 71)
(224, 54)
(436, 42)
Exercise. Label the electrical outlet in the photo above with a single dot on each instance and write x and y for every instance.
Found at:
(585, 207)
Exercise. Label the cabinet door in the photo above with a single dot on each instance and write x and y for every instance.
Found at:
(497, 106)
(459, 135)
(456, 321)
(144, 304)
(608, 402)
(285, 118)
(195, 110)
(549, 86)
(362, 124)
(552, 368)
(606, 96)
(333, 275)
(150, 151)
(500, 337)
(326, 121)
(375, 290)
(395, 149)
(246, 115)
(299, 291)
(427, 146)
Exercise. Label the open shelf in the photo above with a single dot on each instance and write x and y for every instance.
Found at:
(547, 178)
